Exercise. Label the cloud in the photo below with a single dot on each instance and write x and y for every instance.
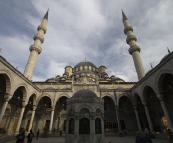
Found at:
(93, 29)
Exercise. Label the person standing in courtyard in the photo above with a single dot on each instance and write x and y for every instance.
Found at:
(170, 136)
(30, 137)
(60, 132)
(139, 138)
(38, 132)
(147, 138)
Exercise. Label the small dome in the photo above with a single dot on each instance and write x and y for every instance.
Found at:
(85, 63)
(85, 93)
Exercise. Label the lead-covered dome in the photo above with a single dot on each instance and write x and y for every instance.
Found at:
(85, 63)
(85, 93)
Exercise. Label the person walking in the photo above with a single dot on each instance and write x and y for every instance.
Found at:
(60, 132)
(20, 137)
(38, 132)
(170, 136)
(30, 137)
(139, 138)
(147, 138)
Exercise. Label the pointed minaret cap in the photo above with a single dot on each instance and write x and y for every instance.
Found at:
(124, 16)
(168, 50)
(46, 15)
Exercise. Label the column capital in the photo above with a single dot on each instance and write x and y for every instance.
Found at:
(135, 106)
(116, 107)
(144, 103)
(34, 107)
(7, 97)
(24, 103)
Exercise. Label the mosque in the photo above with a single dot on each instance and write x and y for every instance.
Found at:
(114, 105)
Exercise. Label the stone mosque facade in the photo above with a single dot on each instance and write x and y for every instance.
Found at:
(114, 105)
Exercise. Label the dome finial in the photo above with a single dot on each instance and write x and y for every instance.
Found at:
(46, 15)
(168, 50)
(151, 66)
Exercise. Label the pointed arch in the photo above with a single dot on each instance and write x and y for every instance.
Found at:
(85, 106)
(125, 95)
(109, 95)
(61, 95)
(44, 95)
(8, 80)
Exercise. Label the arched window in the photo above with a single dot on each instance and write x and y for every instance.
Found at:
(71, 126)
(98, 127)
(84, 126)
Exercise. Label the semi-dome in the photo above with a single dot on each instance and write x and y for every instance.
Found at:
(85, 63)
(85, 93)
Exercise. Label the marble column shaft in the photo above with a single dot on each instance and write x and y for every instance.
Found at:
(118, 121)
(32, 118)
(137, 117)
(4, 106)
(20, 117)
(148, 116)
(51, 120)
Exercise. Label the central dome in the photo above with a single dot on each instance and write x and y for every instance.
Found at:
(85, 63)
(85, 93)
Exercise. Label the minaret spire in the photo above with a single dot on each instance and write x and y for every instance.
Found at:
(134, 49)
(124, 16)
(46, 15)
(35, 49)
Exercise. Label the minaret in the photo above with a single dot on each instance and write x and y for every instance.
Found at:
(35, 48)
(134, 49)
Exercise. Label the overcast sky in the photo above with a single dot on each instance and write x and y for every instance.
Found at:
(85, 28)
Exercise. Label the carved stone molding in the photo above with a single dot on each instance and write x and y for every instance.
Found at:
(130, 38)
(134, 48)
(128, 28)
(36, 48)
(40, 37)
(41, 27)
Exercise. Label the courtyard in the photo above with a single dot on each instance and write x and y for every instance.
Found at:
(127, 139)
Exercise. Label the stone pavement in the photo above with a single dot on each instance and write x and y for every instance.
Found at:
(127, 139)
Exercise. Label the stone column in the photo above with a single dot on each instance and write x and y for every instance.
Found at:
(92, 128)
(148, 116)
(32, 118)
(118, 121)
(4, 106)
(137, 117)
(51, 120)
(76, 129)
(20, 117)
(166, 113)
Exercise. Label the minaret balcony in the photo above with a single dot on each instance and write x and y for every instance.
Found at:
(128, 28)
(36, 48)
(39, 37)
(134, 48)
(130, 38)
(42, 27)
